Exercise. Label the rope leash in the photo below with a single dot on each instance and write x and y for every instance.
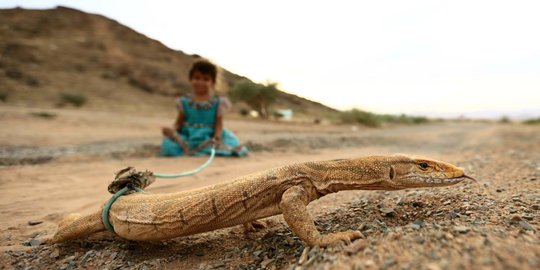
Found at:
(200, 168)
(131, 187)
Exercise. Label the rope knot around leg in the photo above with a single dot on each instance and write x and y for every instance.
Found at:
(130, 176)
(125, 182)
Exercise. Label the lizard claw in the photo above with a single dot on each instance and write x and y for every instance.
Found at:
(254, 226)
(334, 238)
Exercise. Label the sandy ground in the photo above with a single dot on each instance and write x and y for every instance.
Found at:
(489, 225)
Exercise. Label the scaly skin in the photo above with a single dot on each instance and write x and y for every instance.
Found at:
(286, 190)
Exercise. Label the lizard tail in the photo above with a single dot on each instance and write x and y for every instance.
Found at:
(73, 226)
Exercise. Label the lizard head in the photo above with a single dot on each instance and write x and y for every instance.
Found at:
(412, 172)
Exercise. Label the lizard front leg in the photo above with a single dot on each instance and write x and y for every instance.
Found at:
(293, 206)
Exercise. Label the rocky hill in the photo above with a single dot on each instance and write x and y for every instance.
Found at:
(48, 54)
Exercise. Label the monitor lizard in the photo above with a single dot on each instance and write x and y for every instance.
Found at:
(285, 190)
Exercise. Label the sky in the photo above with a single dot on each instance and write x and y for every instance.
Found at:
(436, 58)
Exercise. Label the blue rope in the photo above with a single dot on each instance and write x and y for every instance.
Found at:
(107, 207)
(200, 168)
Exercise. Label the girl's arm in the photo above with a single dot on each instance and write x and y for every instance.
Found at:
(179, 121)
(224, 105)
(218, 128)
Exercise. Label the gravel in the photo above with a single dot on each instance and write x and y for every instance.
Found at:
(467, 226)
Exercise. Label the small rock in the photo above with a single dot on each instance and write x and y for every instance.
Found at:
(515, 219)
(314, 251)
(34, 222)
(219, 265)
(35, 242)
(69, 259)
(389, 262)
(452, 215)
(54, 254)
(417, 224)
(356, 247)
(257, 253)
(461, 229)
(417, 204)
(266, 262)
(86, 256)
(525, 226)
(388, 212)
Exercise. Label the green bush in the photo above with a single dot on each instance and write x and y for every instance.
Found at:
(374, 120)
(360, 117)
(257, 96)
(532, 121)
(504, 120)
(244, 111)
(47, 115)
(75, 99)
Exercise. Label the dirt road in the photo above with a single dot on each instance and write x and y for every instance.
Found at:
(491, 225)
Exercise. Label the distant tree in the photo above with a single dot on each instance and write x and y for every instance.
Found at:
(257, 96)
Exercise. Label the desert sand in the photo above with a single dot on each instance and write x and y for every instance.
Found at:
(53, 166)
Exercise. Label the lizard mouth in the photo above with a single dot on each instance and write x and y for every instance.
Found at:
(450, 180)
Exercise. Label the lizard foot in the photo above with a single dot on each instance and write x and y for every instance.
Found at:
(254, 226)
(335, 238)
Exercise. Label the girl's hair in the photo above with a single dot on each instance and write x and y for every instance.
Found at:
(205, 67)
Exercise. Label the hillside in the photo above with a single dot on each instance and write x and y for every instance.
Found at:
(44, 53)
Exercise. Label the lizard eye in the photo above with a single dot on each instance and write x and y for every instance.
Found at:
(423, 166)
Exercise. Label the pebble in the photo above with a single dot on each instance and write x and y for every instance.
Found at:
(452, 215)
(54, 254)
(35, 242)
(461, 229)
(417, 204)
(417, 224)
(356, 247)
(525, 225)
(515, 219)
(389, 262)
(388, 212)
(266, 262)
(86, 256)
(34, 222)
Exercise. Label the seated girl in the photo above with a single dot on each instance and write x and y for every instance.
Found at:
(199, 124)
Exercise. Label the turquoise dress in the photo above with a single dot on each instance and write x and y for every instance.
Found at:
(198, 130)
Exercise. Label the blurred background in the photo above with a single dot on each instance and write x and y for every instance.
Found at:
(423, 58)
(86, 87)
